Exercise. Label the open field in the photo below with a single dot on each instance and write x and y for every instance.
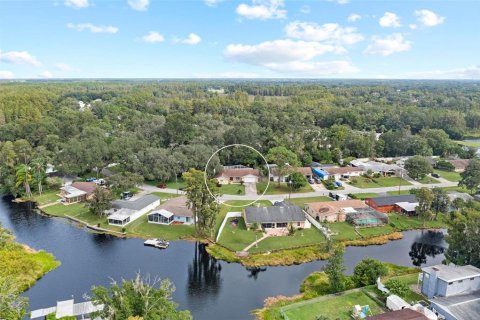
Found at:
(364, 183)
(283, 188)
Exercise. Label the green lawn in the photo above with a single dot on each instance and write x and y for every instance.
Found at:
(363, 182)
(300, 238)
(366, 195)
(236, 238)
(225, 208)
(283, 188)
(402, 222)
(473, 144)
(165, 196)
(333, 306)
(61, 210)
(449, 175)
(235, 189)
(301, 201)
(396, 193)
(346, 231)
(151, 230)
(47, 197)
(428, 180)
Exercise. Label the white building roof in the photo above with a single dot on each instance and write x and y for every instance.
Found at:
(73, 192)
(163, 212)
(407, 206)
(452, 273)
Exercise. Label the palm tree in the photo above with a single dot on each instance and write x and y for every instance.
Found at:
(38, 166)
(24, 176)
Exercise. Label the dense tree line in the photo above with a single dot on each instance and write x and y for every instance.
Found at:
(158, 129)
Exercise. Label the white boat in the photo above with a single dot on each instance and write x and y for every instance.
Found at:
(157, 243)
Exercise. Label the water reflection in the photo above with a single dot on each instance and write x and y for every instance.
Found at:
(254, 271)
(203, 273)
(428, 244)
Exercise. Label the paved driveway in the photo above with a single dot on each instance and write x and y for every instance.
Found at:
(250, 188)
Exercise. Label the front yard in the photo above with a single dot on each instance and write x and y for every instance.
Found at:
(301, 201)
(282, 188)
(364, 182)
(448, 175)
(233, 189)
(301, 238)
(428, 180)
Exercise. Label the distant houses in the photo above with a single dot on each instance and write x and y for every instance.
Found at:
(381, 168)
(453, 291)
(277, 177)
(333, 211)
(173, 211)
(77, 192)
(459, 164)
(124, 212)
(279, 216)
(342, 172)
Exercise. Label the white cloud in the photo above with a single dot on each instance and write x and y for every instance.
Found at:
(305, 10)
(77, 4)
(428, 18)
(289, 56)
(92, 28)
(329, 33)
(212, 3)
(153, 37)
(45, 75)
(354, 17)
(229, 75)
(468, 73)
(19, 57)
(389, 19)
(413, 26)
(192, 39)
(139, 5)
(262, 9)
(390, 44)
(63, 67)
(340, 1)
(6, 74)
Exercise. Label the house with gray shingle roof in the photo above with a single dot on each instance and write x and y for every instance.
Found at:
(278, 216)
(125, 211)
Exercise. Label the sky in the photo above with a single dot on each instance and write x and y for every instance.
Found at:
(399, 39)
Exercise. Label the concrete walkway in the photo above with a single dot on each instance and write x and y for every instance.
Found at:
(265, 236)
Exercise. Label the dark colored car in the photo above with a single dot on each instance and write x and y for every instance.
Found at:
(311, 181)
(435, 175)
(162, 186)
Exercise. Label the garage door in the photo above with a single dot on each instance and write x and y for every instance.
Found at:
(249, 179)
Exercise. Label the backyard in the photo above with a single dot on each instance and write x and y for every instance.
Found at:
(144, 229)
(300, 238)
(282, 188)
(364, 182)
(337, 306)
(236, 236)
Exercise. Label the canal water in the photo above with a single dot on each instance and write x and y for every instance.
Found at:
(210, 289)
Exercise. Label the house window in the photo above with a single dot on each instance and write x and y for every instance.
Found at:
(298, 224)
(450, 283)
(268, 225)
(460, 281)
(231, 178)
(282, 225)
(187, 219)
(472, 279)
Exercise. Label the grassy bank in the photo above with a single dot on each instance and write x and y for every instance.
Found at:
(22, 264)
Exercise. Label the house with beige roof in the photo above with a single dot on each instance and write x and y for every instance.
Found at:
(333, 211)
(77, 192)
(173, 211)
(238, 175)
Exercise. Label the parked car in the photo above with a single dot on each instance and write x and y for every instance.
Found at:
(162, 185)
(435, 175)
(127, 195)
(317, 180)
(91, 179)
(311, 181)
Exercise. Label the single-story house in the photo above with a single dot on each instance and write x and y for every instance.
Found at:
(278, 216)
(173, 211)
(275, 176)
(459, 164)
(408, 208)
(238, 175)
(378, 167)
(365, 217)
(343, 172)
(333, 211)
(125, 211)
(77, 192)
(389, 203)
(404, 314)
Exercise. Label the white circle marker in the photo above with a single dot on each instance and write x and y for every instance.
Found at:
(229, 146)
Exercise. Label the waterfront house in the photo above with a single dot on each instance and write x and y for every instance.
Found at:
(366, 217)
(390, 203)
(279, 216)
(238, 175)
(332, 211)
(173, 211)
(453, 291)
(124, 212)
(77, 192)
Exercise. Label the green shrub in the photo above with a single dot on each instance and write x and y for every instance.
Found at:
(367, 271)
(397, 287)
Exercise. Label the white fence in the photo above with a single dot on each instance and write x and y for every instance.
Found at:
(317, 225)
(227, 216)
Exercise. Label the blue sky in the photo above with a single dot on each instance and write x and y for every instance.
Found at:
(240, 39)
